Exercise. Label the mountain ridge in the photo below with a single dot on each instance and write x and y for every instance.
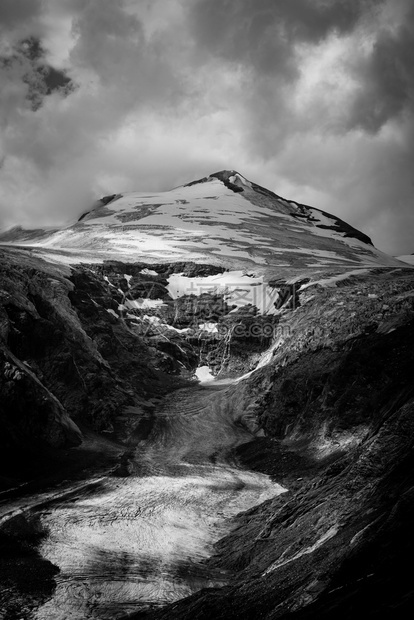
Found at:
(223, 219)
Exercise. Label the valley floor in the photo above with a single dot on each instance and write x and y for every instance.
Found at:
(134, 541)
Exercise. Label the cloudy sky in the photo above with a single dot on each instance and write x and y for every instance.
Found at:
(313, 99)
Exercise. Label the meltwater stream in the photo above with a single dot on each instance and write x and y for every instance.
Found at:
(140, 541)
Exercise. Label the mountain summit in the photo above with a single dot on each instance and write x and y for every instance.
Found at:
(222, 219)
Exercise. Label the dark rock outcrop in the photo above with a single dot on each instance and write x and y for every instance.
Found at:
(66, 362)
(26, 578)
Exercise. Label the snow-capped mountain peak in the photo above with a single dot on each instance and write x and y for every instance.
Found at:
(222, 219)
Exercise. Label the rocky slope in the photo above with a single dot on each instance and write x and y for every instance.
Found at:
(336, 404)
(104, 327)
(71, 359)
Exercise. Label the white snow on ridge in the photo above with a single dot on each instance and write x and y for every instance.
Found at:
(334, 279)
(238, 177)
(407, 258)
(189, 219)
(314, 252)
(322, 219)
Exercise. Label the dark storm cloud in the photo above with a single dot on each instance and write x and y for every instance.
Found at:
(267, 39)
(386, 77)
(107, 36)
(263, 33)
(27, 60)
(112, 45)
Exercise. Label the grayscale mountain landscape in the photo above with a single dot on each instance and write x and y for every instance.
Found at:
(206, 309)
(207, 411)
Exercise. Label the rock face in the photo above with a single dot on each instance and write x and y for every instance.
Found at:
(70, 359)
(314, 326)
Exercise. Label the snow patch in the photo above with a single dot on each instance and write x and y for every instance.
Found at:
(332, 281)
(204, 374)
(128, 278)
(238, 288)
(241, 179)
(330, 533)
(155, 320)
(407, 258)
(142, 304)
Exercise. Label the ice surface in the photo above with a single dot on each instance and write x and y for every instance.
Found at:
(240, 289)
(204, 374)
(126, 544)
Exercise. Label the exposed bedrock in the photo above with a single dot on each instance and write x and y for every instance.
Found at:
(67, 362)
(94, 347)
(325, 401)
(337, 411)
